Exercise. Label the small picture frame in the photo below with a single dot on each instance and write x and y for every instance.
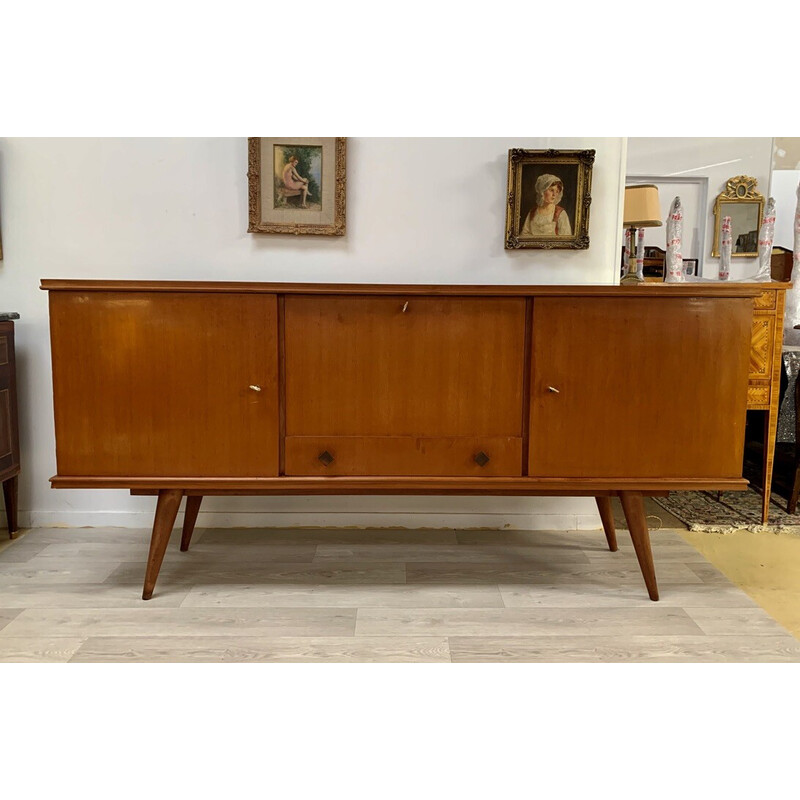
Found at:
(549, 194)
(296, 185)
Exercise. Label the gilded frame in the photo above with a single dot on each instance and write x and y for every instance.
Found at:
(269, 211)
(573, 168)
(741, 189)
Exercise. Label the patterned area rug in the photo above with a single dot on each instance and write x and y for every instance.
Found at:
(735, 511)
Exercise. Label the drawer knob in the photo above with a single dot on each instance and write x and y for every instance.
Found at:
(405, 307)
(481, 459)
(326, 458)
(553, 389)
(255, 388)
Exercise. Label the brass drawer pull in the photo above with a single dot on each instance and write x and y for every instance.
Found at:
(326, 458)
(553, 389)
(405, 307)
(255, 388)
(481, 459)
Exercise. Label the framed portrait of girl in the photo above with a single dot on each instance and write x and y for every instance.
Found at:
(549, 194)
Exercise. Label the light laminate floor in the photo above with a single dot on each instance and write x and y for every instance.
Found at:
(380, 595)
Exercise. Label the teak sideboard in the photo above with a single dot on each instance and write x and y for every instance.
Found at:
(193, 389)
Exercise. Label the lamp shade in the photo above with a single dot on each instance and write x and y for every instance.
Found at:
(642, 209)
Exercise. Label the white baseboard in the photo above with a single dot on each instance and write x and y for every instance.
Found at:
(293, 519)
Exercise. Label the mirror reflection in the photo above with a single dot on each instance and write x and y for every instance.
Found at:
(745, 206)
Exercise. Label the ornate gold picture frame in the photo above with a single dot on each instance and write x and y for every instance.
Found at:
(296, 185)
(549, 194)
(745, 206)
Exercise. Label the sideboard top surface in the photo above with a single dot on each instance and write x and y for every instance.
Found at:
(732, 289)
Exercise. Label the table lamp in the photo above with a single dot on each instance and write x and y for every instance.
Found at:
(642, 210)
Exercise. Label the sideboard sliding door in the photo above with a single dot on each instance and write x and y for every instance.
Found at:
(655, 388)
(165, 383)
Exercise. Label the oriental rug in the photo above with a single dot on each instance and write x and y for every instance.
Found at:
(733, 511)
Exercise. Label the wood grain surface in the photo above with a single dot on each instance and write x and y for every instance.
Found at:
(159, 383)
(404, 366)
(404, 455)
(640, 388)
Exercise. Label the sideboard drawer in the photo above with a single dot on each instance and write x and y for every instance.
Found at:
(766, 300)
(490, 456)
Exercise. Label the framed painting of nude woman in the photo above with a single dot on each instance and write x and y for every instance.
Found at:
(296, 185)
(549, 194)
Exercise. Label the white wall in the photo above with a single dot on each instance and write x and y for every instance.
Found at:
(716, 159)
(784, 190)
(418, 211)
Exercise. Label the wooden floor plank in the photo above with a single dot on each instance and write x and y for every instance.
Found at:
(181, 570)
(38, 649)
(453, 554)
(84, 595)
(337, 537)
(664, 621)
(735, 622)
(630, 595)
(149, 621)
(339, 596)
(49, 572)
(620, 649)
(7, 614)
(614, 572)
(363, 649)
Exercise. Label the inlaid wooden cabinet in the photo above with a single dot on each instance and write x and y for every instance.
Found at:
(765, 368)
(190, 389)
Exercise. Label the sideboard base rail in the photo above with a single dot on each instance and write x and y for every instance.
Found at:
(280, 485)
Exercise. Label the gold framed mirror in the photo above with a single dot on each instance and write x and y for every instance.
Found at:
(745, 206)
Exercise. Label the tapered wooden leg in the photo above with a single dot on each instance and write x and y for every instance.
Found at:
(10, 493)
(770, 433)
(606, 515)
(633, 506)
(189, 519)
(169, 501)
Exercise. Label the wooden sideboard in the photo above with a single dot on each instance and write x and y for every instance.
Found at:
(193, 389)
(9, 429)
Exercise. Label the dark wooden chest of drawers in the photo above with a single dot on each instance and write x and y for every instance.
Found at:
(9, 428)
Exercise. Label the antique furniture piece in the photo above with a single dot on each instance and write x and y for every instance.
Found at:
(9, 430)
(764, 380)
(192, 389)
(745, 206)
(781, 263)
